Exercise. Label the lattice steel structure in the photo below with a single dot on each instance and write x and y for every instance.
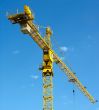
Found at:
(47, 69)
(49, 56)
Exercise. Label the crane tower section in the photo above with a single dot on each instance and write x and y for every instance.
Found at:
(47, 69)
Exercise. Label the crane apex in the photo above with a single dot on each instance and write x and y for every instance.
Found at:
(28, 12)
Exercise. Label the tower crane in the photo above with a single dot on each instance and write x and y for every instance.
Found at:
(25, 20)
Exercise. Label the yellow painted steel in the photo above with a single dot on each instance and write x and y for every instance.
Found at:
(47, 74)
(47, 93)
(49, 56)
(28, 12)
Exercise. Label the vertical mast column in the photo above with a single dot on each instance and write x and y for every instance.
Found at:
(47, 74)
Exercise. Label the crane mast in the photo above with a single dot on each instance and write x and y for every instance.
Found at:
(47, 69)
(49, 57)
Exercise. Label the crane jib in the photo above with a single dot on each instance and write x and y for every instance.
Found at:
(40, 41)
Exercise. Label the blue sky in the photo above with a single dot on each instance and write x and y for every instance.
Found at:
(75, 25)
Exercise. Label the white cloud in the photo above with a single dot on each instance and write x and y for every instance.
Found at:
(64, 49)
(16, 52)
(35, 77)
(27, 86)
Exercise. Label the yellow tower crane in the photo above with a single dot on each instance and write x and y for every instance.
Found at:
(49, 57)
